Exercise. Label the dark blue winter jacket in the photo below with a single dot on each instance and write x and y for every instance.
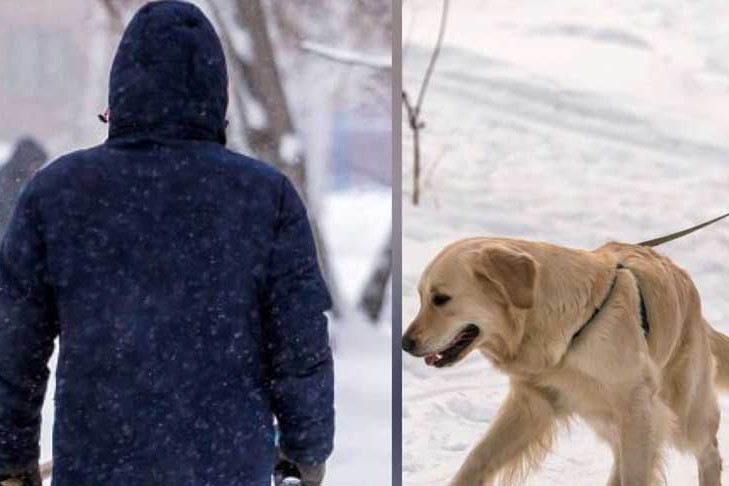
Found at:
(182, 282)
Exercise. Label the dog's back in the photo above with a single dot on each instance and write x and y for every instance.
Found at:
(672, 302)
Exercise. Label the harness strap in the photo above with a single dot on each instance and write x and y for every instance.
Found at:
(643, 315)
(643, 311)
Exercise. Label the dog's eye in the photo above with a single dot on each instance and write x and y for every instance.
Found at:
(440, 299)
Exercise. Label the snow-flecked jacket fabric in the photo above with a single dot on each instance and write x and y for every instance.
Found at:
(182, 282)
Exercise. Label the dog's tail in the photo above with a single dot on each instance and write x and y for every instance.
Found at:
(720, 350)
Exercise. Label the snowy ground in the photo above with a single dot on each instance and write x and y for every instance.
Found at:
(362, 352)
(6, 150)
(570, 122)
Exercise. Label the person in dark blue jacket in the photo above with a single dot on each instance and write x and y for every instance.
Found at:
(182, 282)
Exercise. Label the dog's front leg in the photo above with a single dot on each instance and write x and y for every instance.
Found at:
(518, 438)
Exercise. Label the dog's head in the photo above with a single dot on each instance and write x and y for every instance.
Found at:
(474, 294)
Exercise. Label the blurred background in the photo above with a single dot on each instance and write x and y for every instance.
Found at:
(570, 122)
(310, 90)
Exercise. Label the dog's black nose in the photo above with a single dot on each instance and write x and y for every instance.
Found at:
(408, 344)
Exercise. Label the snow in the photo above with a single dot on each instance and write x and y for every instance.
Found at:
(6, 150)
(290, 149)
(363, 375)
(242, 44)
(240, 39)
(362, 351)
(570, 122)
(255, 114)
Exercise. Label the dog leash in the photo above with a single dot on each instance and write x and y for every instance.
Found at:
(674, 236)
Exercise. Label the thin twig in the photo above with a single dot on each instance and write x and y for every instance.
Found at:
(344, 56)
(434, 57)
(414, 120)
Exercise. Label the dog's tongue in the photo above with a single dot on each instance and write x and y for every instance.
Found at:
(431, 359)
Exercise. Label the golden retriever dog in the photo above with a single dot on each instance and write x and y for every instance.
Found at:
(614, 336)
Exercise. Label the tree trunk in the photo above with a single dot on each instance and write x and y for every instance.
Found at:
(260, 72)
(416, 165)
(27, 158)
(373, 297)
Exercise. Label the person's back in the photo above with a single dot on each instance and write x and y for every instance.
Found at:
(182, 279)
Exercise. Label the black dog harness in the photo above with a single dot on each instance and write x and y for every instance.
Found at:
(643, 312)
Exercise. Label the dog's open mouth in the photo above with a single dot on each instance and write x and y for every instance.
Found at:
(453, 352)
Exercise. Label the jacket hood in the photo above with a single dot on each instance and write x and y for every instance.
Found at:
(169, 78)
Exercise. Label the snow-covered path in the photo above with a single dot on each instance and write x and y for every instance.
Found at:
(362, 353)
(570, 122)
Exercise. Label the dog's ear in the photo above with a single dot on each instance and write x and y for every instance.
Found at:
(512, 271)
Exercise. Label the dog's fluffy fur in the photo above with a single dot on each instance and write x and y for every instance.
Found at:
(637, 392)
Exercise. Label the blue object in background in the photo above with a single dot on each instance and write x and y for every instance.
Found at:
(362, 151)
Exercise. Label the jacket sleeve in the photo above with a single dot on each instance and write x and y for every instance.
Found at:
(28, 327)
(297, 341)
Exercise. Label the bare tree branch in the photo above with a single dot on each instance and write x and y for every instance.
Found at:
(349, 57)
(413, 110)
(434, 57)
(415, 126)
(115, 15)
